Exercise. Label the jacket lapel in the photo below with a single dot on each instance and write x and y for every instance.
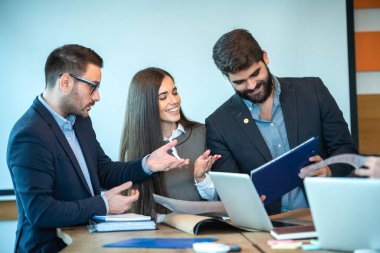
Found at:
(244, 119)
(46, 115)
(289, 110)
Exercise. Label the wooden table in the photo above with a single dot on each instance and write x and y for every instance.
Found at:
(83, 241)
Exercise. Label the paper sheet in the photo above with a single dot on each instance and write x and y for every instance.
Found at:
(191, 207)
(355, 160)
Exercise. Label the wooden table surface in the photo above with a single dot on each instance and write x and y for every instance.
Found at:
(83, 241)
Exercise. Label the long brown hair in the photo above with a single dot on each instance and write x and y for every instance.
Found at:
(142, 133)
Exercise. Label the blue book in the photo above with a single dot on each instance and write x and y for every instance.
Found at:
(169, 243)
(279, 176)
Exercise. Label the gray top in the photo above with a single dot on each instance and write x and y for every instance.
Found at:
(179, 183)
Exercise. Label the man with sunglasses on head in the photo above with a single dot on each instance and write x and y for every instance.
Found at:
(58, 167)
(269, 115)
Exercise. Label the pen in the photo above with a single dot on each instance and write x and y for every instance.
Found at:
(174, 153)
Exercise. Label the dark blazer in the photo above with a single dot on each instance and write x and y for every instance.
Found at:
(309, 110)
(50, 188)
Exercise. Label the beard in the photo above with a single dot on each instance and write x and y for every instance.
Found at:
(72, 104)
(259, 98)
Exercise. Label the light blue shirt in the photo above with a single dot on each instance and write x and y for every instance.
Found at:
(66, 126)
(276, 138)
(175, 133)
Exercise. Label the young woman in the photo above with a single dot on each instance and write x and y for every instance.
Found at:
(154, 116)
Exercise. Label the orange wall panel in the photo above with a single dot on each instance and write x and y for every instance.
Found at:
(367, 51)
(366, 4)
(8, 210)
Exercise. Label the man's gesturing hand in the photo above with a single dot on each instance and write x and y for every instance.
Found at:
(118, 203)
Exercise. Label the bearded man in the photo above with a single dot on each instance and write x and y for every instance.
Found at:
(269, 115)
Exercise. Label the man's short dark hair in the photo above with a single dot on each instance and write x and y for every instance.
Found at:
(69, 59)
(235, 51)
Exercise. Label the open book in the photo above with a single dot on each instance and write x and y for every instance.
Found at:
(188, 216)
(195, 224)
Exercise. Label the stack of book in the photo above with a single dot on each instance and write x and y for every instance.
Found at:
(294, 232)
(121, 222)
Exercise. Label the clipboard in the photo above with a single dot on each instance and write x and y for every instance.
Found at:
(280, 175)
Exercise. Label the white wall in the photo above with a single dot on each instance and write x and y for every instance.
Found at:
(302, 38)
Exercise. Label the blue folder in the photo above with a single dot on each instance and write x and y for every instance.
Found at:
(279, 176)
(170, 243)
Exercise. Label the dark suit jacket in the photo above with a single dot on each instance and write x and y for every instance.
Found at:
(50, 188)
(309, 110)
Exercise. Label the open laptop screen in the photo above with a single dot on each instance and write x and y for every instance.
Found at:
(348, 205)
(242, 202)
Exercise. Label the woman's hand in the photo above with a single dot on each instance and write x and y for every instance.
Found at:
(203, 164)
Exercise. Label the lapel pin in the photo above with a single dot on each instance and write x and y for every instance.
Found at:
(246, 121)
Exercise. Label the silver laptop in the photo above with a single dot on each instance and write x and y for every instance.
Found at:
(346, 212)
(242, 202)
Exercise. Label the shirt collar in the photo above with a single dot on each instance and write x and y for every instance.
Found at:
(176, 132)
(255, 109)
(61, 121)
